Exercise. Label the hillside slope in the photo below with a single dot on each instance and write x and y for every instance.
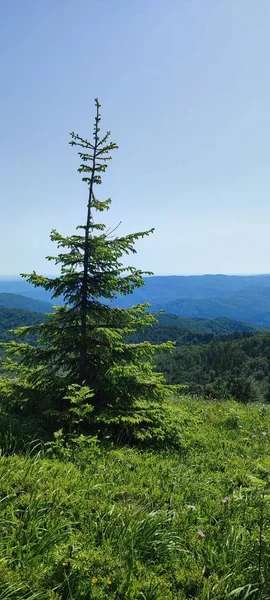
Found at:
(222, 367)
(16, 285)
(241, 298)
(217, 326)
(11, 318)
(24, 303)
(160, 290)
(251, 305)
(185, 330)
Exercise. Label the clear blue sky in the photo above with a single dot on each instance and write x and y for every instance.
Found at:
(185, 90)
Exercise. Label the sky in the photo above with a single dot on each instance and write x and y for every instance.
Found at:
(185, 90)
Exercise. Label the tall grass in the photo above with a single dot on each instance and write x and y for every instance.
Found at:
(97, 523)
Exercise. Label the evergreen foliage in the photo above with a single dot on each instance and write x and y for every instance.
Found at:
(230, 366)
(83, 343)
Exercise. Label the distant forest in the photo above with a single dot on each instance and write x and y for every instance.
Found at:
(218, 358)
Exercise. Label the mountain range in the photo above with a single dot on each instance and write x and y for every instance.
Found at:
(251, 305)
(241, 298)
(238, 297)
(25, 303)
(17, 285)
(182, 330)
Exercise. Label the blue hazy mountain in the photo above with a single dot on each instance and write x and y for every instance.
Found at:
(17, 301)
(238, 297)
(16, 285)
(160, 289)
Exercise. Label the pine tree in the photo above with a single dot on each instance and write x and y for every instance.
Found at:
(83, 342)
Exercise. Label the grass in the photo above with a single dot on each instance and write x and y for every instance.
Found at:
(124, 524)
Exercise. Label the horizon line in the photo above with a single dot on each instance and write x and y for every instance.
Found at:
(19, 277)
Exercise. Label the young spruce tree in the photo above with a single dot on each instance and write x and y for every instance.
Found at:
(82, 367)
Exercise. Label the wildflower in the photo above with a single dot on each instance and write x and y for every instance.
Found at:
(245, 439)
(226, 500)
(264, 432)
(64, 564)
(191, 506)
(201, 534)
(108, 581)
(94, 580)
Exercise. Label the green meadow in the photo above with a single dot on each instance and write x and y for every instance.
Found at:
(95, 521)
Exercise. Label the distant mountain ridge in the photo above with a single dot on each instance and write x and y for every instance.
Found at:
(241, 298)
(218, 326)
(19, 286)
(250, 305)
(182, 330)
(237, 297)
(160, 288)
(17, 301)
(185, 330)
